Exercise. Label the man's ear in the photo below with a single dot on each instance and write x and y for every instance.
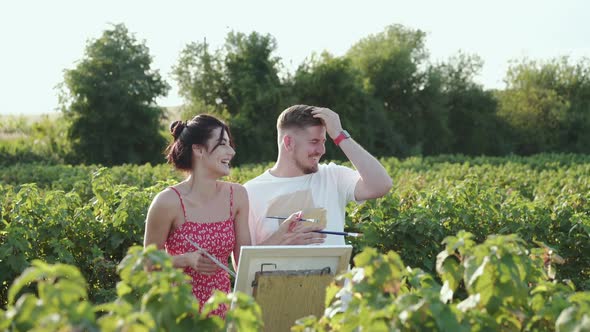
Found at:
(288, 142)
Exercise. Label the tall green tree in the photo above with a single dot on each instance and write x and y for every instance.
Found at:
(332, 82)
(547, 103)
(239, 82)
(200, 78)
(473, 120)
(109, 99)
(395, 70)
(255, 94)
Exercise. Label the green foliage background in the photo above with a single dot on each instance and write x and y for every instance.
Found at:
(89, 216)
(537, 271)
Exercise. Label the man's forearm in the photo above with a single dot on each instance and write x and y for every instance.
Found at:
(373, 174)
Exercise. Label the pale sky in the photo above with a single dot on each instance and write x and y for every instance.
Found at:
(42, 38)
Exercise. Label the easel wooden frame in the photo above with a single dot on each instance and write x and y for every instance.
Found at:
(284, 273)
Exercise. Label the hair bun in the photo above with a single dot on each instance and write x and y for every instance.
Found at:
(176, 128)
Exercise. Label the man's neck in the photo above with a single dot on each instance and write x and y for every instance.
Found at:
(285, 169)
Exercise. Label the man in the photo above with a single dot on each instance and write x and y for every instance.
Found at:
(298, 176)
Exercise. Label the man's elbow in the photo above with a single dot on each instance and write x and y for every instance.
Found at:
(376, 190)
(385, 187)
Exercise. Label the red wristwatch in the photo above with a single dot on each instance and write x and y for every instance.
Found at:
(341, 137)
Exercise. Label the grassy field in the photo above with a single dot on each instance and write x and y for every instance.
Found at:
(15, 126)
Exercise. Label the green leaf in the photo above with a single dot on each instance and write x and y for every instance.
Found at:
(451, 271)
(31, 274)
(570, 320)
(472, 301)
(472, 275)
(123, 289)
(446, 293)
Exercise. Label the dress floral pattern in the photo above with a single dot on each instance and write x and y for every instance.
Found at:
(218, 238)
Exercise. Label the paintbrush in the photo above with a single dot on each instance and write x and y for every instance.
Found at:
(340, 233)
(211, 257)
(300, 219)
(321, 232)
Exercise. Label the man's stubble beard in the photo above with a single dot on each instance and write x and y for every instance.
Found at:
(306, 170)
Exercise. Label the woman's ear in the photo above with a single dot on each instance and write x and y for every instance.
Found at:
(198, 150)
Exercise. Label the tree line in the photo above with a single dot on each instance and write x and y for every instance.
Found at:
(390, 96)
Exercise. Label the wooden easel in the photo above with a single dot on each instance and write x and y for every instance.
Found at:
(289, 282)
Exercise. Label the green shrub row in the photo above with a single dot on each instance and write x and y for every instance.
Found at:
(159, 300)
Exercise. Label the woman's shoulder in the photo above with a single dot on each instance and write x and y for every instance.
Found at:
(239, 191)
(233, 185)
(167, 197)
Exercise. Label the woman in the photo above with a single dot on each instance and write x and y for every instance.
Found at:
(202, 209)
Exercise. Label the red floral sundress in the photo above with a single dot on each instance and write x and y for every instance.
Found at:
(218, 238)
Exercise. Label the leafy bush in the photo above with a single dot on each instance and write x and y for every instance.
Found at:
(88, 216)
(544, 198)
(159, 300)
(497, 285)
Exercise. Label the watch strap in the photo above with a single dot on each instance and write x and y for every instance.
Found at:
(341, 137)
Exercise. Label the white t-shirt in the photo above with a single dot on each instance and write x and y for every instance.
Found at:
(331, 188)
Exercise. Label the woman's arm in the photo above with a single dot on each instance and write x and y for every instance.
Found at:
(241, 222)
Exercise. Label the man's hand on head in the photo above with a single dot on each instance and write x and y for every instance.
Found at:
(330, 119)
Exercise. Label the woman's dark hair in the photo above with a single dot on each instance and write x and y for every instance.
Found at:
(196, 131)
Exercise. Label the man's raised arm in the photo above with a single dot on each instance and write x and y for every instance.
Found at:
(374, 181)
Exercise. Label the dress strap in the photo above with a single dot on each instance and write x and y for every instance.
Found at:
(181, 202)
(231, 201)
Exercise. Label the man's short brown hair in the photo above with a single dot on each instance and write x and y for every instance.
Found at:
(297, 116)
